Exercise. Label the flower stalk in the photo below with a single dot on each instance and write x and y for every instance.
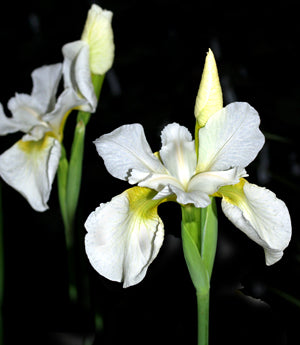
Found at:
(199, 239)
(69, 183)
(1, 271)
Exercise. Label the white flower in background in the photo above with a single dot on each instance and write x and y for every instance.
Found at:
(124, 235)
(29, 166)
(93, 53)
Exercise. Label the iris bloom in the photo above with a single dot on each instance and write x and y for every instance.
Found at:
(30, 165)
(124, 235)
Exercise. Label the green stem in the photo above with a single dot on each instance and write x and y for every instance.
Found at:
(199, 240)
(203, 317)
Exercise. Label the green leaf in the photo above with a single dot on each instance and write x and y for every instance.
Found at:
(195, 264)
(209, 235)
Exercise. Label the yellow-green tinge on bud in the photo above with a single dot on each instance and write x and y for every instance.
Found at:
(209, 98)
(98, 34)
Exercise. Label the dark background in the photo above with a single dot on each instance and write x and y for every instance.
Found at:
(159, 57)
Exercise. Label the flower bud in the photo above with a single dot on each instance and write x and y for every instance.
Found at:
(209, 98)
(98, 34)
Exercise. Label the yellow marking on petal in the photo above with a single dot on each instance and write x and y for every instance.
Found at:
(209, 98)
(233, 194)
(33, 146)
(141, 201)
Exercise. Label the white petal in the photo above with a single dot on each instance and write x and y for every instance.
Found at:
(77, 74)
(45, 84)
(262, 217)
(210, 182)
(231, 137)
(27, 112)
(98, 34)
(178, 152)
(126, 149)
(30, 167)
(8, 124)
(66, 102)
(124, 236)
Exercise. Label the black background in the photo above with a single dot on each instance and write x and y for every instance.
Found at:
(160, 52)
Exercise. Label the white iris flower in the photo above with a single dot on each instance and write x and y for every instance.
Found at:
(125, 235)
(29, 166)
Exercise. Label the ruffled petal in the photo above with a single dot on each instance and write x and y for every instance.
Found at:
(29, 167)
(45, 84)
(126, 149)
(77, 74)
(98, 34)
(178, 152)
(124, 236)
(231, 137)
(260, 215)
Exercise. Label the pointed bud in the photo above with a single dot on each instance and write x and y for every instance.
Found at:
(209, 98)
(98, 34)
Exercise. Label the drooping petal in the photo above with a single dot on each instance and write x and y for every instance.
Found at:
(260, 215)
(98, 34)
(178, 152)
(45, 84)
(124, 236)
(29, 167)
(231, 137)
(77, 74)
(126, 149)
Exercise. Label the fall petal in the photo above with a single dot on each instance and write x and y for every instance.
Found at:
(29, 167)
(260, 215)
(124, 236)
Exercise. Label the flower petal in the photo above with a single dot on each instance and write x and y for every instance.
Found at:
(8, 124)
(27, 112)
(126, 149)
(178, 152)
(77, 74)
(45, 84)
(124, 236)
(98, 34)
(66, 102)
(29, 167)
(260, 215)
(231, 137)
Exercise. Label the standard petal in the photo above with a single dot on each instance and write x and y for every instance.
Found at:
(45, 84)
(126, 149)
(77, 74)
(178, 152)
(260, 215)
(30, 167)
(124, 236)
(98, 34)
(231, 137)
